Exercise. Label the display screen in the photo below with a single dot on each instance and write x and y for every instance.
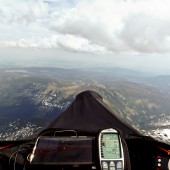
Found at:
(110, 146)
(67, 151)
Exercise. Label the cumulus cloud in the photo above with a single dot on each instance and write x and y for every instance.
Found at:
(149, 35)
(122, 26)
(68, 42)
(95, 26)
(22, 11)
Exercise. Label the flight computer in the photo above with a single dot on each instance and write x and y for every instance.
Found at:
(111, 153)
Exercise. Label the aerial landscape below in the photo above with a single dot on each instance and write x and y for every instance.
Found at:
(30, 98)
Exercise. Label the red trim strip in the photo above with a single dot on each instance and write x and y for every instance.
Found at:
(167, 151)
(7, 146)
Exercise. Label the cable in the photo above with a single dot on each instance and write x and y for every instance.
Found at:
(24, 165)
(11, 158)
(16, 158)
(22, 148)
(16, 155)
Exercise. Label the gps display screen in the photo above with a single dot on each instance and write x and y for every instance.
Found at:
(110, 146)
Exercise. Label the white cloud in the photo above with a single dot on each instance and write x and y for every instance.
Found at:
(79, 44)
(145, 34)
(94, 21)
(95, 26)
(124, 26)
(24, 11)
(68, 42)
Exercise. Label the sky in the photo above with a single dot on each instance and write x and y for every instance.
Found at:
(86, 33)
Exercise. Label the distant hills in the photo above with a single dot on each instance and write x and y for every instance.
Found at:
(30, 98)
